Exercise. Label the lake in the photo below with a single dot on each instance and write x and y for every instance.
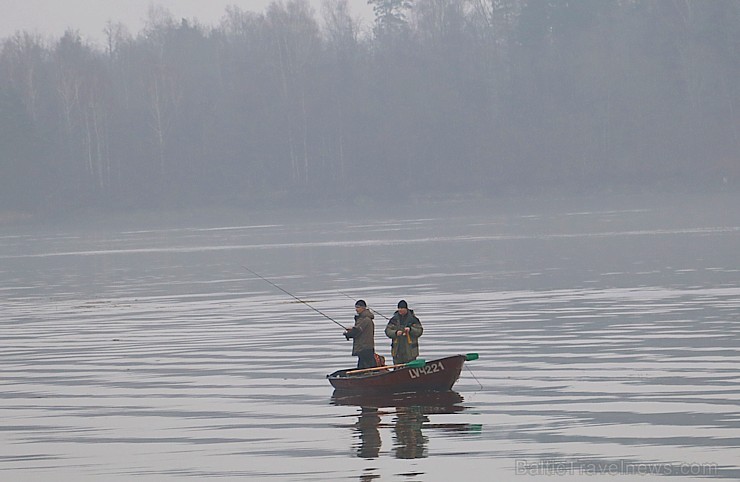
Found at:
(140, 348)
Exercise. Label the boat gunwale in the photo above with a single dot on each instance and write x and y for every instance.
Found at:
(337, 375)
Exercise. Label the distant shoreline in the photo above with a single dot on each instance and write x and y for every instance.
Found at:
(631, 197)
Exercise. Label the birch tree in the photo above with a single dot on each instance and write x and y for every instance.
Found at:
(295, 43)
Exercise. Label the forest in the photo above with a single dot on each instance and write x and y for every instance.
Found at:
(431, 99)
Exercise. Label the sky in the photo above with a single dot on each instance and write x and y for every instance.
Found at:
(53, 17)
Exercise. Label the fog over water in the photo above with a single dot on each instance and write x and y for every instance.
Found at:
(140, 348)
(551, 185)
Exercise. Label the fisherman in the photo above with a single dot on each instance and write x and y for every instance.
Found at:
(363, 336)
(404, 329)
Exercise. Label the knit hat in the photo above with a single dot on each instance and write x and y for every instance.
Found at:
(403, 304)
(361, 303)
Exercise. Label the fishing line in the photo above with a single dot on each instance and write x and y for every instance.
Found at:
(295, 297)
(476, 378)
(371, 309)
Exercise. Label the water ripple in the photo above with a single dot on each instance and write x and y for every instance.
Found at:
(150, 353)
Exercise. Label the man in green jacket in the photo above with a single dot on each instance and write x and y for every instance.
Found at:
(404, 329)
(363, 336)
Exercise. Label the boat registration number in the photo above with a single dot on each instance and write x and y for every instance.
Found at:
(426, 370)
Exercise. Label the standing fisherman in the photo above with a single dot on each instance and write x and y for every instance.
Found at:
(404, 329)
(363, 336)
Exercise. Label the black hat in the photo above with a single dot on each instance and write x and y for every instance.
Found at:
(361, 303)
(403, 304)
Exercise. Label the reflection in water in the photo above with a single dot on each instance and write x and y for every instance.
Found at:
(368, 476)
(367, 428)
(410, 442)
(412, 412)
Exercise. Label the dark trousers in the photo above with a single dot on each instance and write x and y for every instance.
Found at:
(366, 359)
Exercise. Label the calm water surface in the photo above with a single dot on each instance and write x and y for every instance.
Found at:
(608, 334)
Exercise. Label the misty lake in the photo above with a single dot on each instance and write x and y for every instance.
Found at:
(608, 333)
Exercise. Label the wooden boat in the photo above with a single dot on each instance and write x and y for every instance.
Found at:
(435, 375)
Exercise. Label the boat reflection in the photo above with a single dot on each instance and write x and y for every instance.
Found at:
(410, 413)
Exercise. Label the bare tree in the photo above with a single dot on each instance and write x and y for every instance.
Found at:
(295, 37)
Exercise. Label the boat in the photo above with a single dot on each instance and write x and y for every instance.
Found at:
(417, 376)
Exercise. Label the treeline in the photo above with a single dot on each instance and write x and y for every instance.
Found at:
(436, 97)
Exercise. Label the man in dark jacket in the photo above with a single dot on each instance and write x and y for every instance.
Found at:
(404, 329)
(363, 336)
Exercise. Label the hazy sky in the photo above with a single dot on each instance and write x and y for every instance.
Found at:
(53, 17)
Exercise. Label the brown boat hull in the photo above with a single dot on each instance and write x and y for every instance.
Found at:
(435, 375)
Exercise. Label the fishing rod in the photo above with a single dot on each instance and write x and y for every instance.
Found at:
(296, 298)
